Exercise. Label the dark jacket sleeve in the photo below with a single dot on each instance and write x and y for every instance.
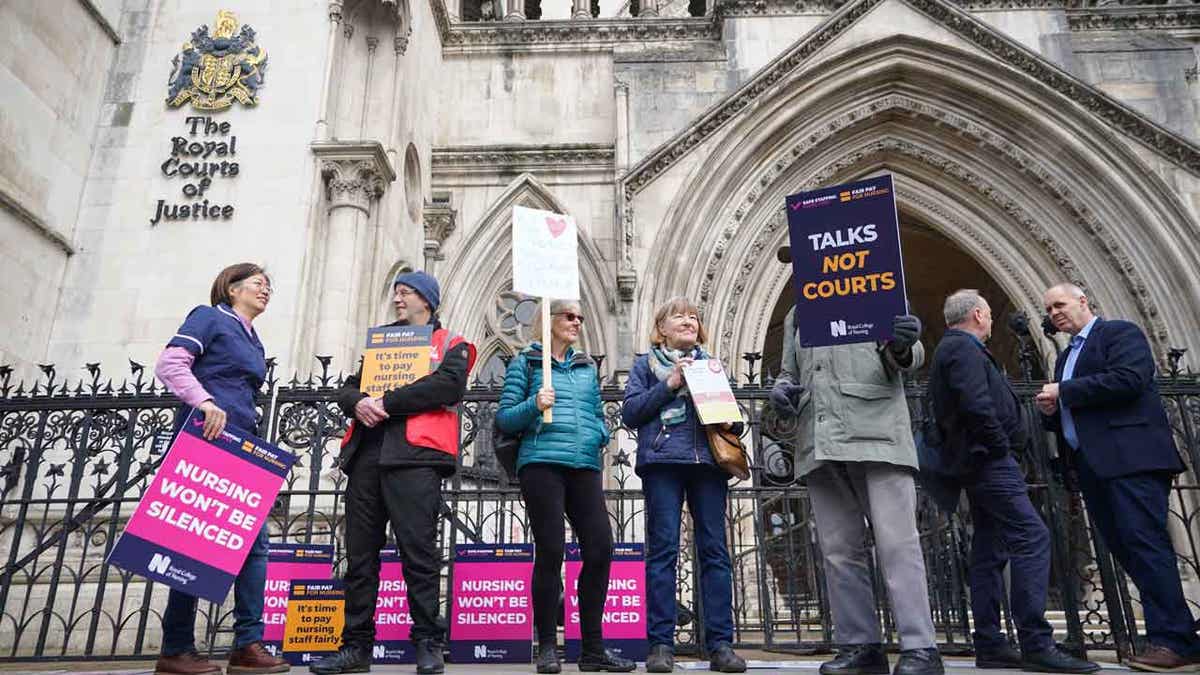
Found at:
(1128, 370)
(443, 387)
(967, 381)
(349, 395)
(643, 401)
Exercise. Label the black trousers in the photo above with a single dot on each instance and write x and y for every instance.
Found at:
(410, 499)
(551, 492)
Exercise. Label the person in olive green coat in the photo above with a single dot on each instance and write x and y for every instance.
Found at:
(558, 466)
(855, 450)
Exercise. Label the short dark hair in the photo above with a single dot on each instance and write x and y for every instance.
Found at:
(230, 276)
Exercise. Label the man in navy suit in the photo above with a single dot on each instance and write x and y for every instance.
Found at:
(1111, 422)
(982, 424)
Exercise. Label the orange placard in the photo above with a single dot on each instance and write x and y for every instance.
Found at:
(316, 614)
(395, 356)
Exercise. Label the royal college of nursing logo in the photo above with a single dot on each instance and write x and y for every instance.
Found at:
(215, 70)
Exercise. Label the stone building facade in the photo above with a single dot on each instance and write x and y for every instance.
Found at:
(1030, 140)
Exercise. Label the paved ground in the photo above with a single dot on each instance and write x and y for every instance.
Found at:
(760, 664)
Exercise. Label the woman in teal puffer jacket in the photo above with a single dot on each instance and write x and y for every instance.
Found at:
(558, 467)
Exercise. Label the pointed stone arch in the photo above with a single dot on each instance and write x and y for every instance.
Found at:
(1026, 181)
(481, 267)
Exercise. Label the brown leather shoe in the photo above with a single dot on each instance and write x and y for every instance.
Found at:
(254, 658)
(187, 663)
(1159, 659)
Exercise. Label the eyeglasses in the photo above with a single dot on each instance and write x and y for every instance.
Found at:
(405, 292)
(258, 285)
(571, 317)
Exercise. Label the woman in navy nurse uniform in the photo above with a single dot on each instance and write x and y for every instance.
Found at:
(216, 363)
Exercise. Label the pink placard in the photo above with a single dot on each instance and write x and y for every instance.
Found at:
(393, 623)
(286, 562)
(207, 503)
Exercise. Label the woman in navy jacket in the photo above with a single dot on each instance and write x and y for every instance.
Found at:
(215, 363)
(675, 463)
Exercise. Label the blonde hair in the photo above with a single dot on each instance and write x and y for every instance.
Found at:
(556, 307)
(676, 305)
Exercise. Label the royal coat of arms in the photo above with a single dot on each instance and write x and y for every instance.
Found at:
(215, 70)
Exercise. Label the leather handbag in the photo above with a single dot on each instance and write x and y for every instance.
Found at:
(728, 451)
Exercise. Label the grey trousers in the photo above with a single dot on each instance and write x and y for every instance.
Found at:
(845, 496)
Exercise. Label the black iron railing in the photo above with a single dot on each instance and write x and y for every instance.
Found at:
(75, 457)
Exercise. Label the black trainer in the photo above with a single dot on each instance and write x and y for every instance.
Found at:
(866, 659)
(348, 659)
(605, 661)
(724, 660)
(547, 659)
(661, 659)
(926, 661)
(1055, 660)
(429, 657)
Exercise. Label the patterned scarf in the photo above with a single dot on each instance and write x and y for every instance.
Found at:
(662, 362)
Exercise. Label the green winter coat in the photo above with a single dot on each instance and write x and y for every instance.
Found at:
(853, 408)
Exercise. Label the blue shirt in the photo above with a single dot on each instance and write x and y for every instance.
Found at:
(230, 360)
(1076, 346)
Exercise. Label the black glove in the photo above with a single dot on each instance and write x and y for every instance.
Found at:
(785, 396)
(906, 330)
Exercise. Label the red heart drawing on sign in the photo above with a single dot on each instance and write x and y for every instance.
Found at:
(557, 225)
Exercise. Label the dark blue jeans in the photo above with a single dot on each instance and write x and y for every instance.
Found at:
(1131, 514)
(1008, 530)
(179, 618)
(705, 488)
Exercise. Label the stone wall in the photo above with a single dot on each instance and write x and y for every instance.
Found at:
(53, 68)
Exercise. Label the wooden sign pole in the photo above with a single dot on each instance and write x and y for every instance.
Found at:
(547, 340)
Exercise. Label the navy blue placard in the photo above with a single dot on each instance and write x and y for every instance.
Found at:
(493, 553)
(300, 553)
(846, 263)
(161, 564)
(243, 445)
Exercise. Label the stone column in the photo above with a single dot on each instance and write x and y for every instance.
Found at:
(649, 8)
(372, 45)
(515, 10)
(335, 19)
(581, 9)
(356, 174)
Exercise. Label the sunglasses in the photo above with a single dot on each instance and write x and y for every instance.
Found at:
(570, 316)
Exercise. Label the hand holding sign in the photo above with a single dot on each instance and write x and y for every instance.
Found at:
(545, 264)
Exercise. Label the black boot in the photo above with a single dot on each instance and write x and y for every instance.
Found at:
(1055, 660)
(661, 659)
(348, 659)
(429, 657)
(857, 660)
(926, 661)
(547, 658)
(605, 661)
(724, 660)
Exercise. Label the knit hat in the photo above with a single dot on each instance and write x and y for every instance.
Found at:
(422, 283)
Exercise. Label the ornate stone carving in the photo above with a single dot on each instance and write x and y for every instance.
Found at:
(355, 173)
(1076, 207)
(1171, 145)
(441, 18)
(522, 158)
(335, 11)
(1135, 17)
(351, 183)
(400, 43)
(440, 220)
(533, 35)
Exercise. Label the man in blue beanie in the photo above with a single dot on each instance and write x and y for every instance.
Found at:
(397, 451)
